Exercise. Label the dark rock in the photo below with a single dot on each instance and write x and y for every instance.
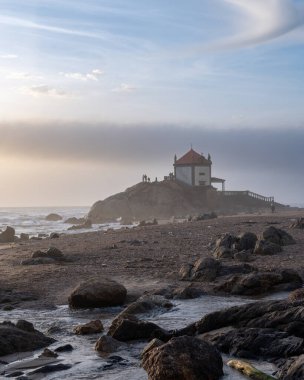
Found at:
(292, 369)
(7, 236)
(38, 261)
(223, 253)
(258, 343)
(19, 339)
(53, 217)
(51, 368)
(106, 344)
(48, 354)
(226, 240)
(203, 270)
(183, 358)
(25, 325)
(75, 220)
(277, 236)
(87, 224)
(130, 328)
(54, 235)
(92, 327)
(15, 374)
(65, 348)
(296, 295)
(51, 253)
(153, 344)
(245, 241)
(299, 223)
(266, 247)
(259, 283)
(146, 304)
(24, 237)
(98, 293)
(244, 256)
(187, 292)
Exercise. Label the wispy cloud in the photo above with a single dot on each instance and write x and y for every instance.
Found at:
(19, 22)
(92, 75)
(44, 90)
(259, 21)
(125, 88)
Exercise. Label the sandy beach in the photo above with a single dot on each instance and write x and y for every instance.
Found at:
(142, 258)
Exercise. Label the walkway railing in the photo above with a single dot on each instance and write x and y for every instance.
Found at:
(249, 194)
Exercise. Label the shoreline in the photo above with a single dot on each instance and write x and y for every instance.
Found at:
(150, 264)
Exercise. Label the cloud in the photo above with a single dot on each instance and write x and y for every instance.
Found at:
(93, 75)
(125, 87)
(44, 90)
(8, 56)
(22, 23)
(268, 161)
(260, 21)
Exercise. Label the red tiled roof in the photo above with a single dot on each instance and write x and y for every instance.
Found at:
(192, 158)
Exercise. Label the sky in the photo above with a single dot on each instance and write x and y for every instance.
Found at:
(93, 94)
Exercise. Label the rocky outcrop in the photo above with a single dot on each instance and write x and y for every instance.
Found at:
(92, 327)
(258, 343)
(299, 223)
(7, 236)
(183, 358)
(277, 236)
(53, 217)
(97, 293)
(266, 247)
(260, 282)
(203, 270)
(153, 200)
(127, 328)
(291, 369)
(86, 225)
(52, 253)
(75, 220)
(21, 337)
(107, 345)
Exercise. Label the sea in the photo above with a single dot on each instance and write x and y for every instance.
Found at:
(32, 220)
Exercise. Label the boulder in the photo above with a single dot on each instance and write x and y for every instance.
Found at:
(292, 369)
(54, 235)
(147, 304)
(153, 344)
(226, 240)
(97, 293)
(21, 337)
(266, 247)
(53, 217)
(245, 241)
(75, 220)
(183, 358)
(8, 235)
(277, 236)
(258, 343)
(244, 256)
(51, 253)
(92, 327)
(203, 270)
(107, 345)
(87, 224)
(24, 237)
(260, 282)
(223, 252)
(129, 328)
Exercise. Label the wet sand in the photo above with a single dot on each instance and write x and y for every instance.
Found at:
(152, 264)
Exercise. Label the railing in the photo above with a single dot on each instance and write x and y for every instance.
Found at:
(249, 194)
